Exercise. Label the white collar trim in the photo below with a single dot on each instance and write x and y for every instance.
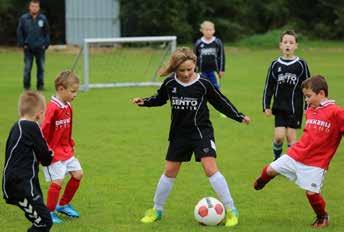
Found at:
(189, 83)
(208, 41)
(288, 63)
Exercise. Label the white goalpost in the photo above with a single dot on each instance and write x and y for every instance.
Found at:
(124, 61)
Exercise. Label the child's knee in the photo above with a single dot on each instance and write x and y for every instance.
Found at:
(270, 171)
(77, 174)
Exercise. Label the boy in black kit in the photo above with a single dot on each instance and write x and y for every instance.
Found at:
(283, 83)
(25, 149)
(210, 54)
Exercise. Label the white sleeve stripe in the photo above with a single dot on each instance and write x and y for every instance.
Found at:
(216, 91)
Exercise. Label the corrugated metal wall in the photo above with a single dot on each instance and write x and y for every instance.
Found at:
(91, 19)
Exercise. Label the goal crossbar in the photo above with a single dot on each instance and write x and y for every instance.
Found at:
(86, 85)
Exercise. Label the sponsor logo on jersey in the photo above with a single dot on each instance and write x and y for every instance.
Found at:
(184, 103)
(62, 123)
(208, 51)
(288, 78)
(318, 124)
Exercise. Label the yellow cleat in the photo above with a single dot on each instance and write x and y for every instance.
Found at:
(232, 218)
(151, 215)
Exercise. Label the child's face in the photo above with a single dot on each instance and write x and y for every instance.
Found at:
(68, 94)
(186, 71)
(208, 31)
(288, 45)
(313, 99)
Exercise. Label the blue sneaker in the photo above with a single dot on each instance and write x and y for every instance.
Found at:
(55, 218)
(67, 210)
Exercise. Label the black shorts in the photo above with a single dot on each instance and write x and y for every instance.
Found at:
(180, 150)
(284, 119)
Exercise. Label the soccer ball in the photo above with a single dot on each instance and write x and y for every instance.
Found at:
(209, 211)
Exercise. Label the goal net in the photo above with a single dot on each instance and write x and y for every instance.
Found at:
(125, 61)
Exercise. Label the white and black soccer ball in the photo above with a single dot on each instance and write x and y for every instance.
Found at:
(209, 211)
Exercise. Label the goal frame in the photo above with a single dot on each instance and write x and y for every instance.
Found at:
(86, 85)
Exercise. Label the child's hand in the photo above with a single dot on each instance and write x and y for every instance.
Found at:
(246, 120)
(138, 101)
(221, 74)
(268, 112)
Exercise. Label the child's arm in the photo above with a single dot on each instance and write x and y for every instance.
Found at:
(43, 153)
(47, 122)
(197, 44)
(159, 99)
(223, 105)
(221, 59)
(340, 120)
(269, 90)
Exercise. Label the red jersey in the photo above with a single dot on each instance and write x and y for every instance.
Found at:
(57, 129)
(321, 136)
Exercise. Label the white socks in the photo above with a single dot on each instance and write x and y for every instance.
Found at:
(162, 191)
(219, 184)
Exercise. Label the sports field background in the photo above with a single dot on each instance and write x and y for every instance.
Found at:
(122, 149)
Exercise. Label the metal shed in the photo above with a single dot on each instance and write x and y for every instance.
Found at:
(91, 19)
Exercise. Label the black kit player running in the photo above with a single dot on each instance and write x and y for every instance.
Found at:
(191, 129)
(26, 147)
(283, 82)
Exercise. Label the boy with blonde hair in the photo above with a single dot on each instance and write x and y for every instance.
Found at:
(25, 149)
(57, 129)
(210, 54)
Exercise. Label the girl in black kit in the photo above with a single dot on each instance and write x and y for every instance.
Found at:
(191, 130)
(283, 83)
(25, 149)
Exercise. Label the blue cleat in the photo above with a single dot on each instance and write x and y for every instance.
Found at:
(55, 218)
(68, 210)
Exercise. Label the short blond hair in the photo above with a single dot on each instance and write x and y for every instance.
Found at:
(66, 79)
(206, 23)
(30, 103)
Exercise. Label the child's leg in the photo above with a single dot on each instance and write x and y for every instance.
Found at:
(53, 194)
(71, 187)
(218, 182)
(165, 184)
(37, 213)
(277, 145)
(317, 202)
(267, 174)
(291, 136)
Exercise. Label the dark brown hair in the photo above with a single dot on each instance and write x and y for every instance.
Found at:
(66, 79)
(178, 57)
(316, 84)
(288, 32)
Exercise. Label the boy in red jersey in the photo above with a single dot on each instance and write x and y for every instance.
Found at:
(308, 160)
(57, 129)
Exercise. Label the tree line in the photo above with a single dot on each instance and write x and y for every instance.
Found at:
(234, 19)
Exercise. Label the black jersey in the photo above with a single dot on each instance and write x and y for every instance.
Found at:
(210, 55)
(190, 113)
(283, 82)
(25, 147)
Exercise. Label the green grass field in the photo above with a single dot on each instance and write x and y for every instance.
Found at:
(122, 149)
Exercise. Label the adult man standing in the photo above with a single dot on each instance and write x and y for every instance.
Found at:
(33, 36)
